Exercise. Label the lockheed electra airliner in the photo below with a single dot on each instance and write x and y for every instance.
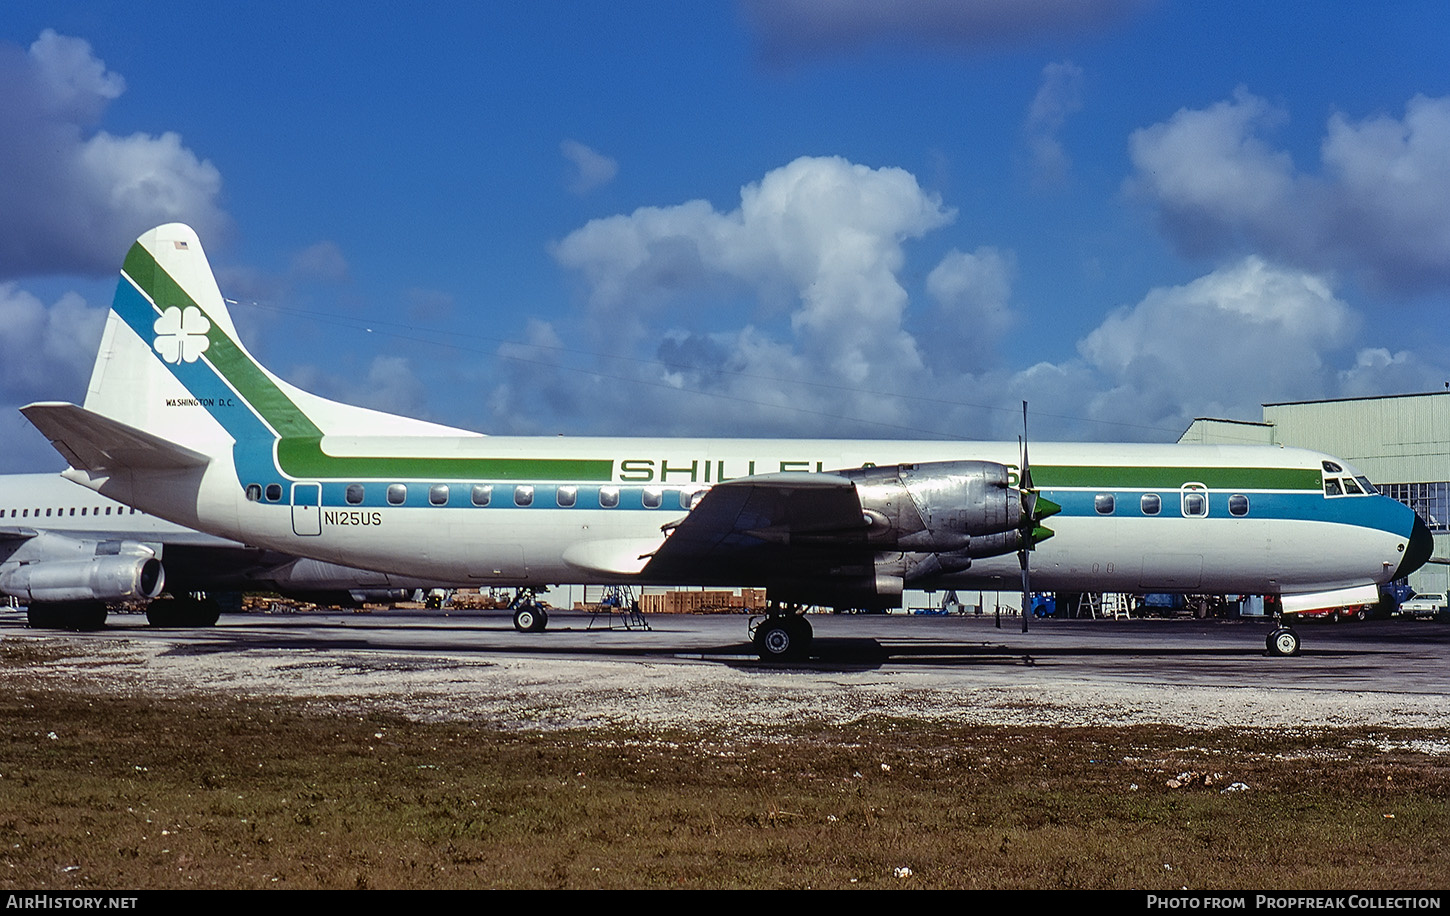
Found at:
(181, 422)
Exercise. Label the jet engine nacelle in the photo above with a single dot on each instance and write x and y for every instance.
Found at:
(107, 579)
(965, 508)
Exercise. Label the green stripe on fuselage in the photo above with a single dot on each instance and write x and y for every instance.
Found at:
(304, 458)
(1171, 478)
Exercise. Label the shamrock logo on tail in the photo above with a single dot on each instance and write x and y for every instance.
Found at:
(181, 336)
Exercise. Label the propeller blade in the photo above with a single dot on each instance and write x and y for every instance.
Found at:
(1029, 523)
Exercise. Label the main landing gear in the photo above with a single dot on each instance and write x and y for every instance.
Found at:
(529, 614)
(783, 634)
(1283, 641)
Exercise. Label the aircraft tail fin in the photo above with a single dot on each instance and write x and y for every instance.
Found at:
(171, 367)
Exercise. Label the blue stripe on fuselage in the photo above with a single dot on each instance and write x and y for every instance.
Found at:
(1378, 512)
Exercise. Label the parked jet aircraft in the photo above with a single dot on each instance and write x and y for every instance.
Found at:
(180, 421)
(68, 552)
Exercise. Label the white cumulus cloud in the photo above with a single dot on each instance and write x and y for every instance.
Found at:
(1058, 96)
(75, 197)
(46, 351)
(973, 292)
(799, 312)
(1380, 203)
(824, 232)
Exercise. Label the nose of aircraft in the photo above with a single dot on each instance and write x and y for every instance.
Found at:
(1422, 544)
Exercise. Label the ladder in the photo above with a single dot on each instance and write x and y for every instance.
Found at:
(619, 607)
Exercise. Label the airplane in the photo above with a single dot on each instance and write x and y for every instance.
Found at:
(179, 420)
(67, 553)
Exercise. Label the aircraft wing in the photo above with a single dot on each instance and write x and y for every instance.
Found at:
(96, 443)
(8, 534)
(768, 527)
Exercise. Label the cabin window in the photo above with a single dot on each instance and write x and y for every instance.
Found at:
(482, 494)
(48, 512)
(1151, 503)
(274, 492)
(608, 497)
(397, 494)
(1195, 500)
(354, 494)
(652, 497)
(689, 499)
(1104, 503)
(566, 497)
(1238, 505)
(1332, 487)
(25, 513)
(438, 494)
(523, 496)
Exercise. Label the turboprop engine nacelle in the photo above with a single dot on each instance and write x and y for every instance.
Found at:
(943, 507)
(108, 579)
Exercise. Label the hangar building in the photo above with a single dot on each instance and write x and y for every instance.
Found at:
(1401, 442)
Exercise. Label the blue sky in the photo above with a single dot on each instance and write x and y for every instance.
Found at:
(784, 217)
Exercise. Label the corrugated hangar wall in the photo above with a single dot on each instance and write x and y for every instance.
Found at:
(1401, 442)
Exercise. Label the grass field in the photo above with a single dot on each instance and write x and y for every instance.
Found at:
(104, 792)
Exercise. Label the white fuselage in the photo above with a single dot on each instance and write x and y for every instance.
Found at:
(1288, 540)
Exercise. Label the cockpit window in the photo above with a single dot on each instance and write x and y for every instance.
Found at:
(1351, 487)
(1365, 485)
(1331, 467)
(1332, 487)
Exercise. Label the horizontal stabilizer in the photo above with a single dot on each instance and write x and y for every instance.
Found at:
(95, 443)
